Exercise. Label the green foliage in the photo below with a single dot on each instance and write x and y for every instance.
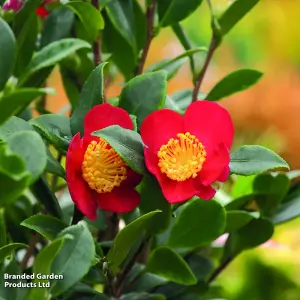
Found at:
(8, 249)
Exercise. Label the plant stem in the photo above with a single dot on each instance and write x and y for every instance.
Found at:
(199, 80)
(219, 269)
(150, 26)
(129, 266)
(30, 251)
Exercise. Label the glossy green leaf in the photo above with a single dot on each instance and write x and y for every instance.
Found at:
(187, 231)
(165, 262)
(234, 13)
(235, 219)
(174, 11)
(9, 249)
(142, 296)
(55, 52)
(272, 189)
(47, 226)
(17, 100)
(54, 128)
(54, 167)
(127, 143)
(74, 259)
(57, 25)
(152, 199)
(255, 233)
(234, 82)
(46, 197)
(127, 237)
(251, 160)
(7, 52)
(89, 16)
(134, 99)
(42, 265)
(91, 95)
(31, 148)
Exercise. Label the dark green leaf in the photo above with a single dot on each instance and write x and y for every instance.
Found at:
(255, 233)
(272, 189)
(55, 52)
(31, 148)
(234, 82)
(142, 296)
(91, 95)
(8, 249)
(44, 194)
(188, 232)
(36, 79)
(46, 225)
(17, 100)
(236, 11)
(165, 262)
(74, 259)
(174, 11)
(235, 219)
(2, 228)
(251, 160)
(7, 52)
(54, 128)
(54, 167)
(152, 199)
(89, 16)
(134, 99)
(42, 265)
(127, 143)
(240, 203)
(127, 237)
(57, 25)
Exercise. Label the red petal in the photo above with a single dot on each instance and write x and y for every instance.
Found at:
(42, 11)
(224, 175)
(121, 200)
(81, 194)
(210, 122)
(159, 127)
(214, 165)
(104, 115)
(206, 192)
(133, 179)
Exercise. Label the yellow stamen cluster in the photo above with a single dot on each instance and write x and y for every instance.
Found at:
(102, 168)
(181, 158)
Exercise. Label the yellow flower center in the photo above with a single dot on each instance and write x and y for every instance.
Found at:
(102, 167)
(181, 158)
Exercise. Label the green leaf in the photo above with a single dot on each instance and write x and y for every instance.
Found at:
(8, 249)
(44, 194)
(55, 52)
(57, 25)
(235, 219)
(127, 143)
(174, 11)
(2, 228)
(74, 259)
(127, 237)
(29, 146)
(242, 186)
(142, 296)
(54, 128)
(47, 226)
(183, 98)
(152, 199)
(255, 233)
(165, 262)
(251, 160)
(42, 265)
(91, 95)
(188, 232)
(54, 167)
(234, 82)
(89, 16)
(134, 99)
(7, 52)
(16, 101)
(12, 125)
(26, 44)
(272, 189)
(236, 11)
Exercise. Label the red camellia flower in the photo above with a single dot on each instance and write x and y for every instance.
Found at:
(188, 154)
(96, 174)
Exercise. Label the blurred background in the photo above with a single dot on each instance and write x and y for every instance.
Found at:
(267, 39)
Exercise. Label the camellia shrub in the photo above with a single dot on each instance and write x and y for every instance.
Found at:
(127, 197)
